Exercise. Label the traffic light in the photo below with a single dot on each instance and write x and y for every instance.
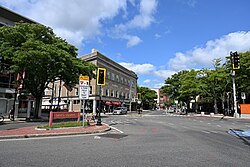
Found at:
(235, 60)
(101, 76)
(139, 96)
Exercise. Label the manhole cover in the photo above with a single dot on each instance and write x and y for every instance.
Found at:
(114, 136)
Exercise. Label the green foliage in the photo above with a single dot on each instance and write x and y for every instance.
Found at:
(211, 85)
(63, 125)
(43, 56)
(148, 96)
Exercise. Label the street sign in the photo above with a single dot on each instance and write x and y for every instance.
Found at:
(86, 78)
(243, 95)
(84, 92)
(83, 80)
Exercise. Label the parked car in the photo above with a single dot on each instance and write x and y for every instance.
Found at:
(120, 110)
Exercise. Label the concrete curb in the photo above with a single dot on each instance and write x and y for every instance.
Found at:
(55, 134)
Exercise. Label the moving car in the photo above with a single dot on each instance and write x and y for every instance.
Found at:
(120, 110)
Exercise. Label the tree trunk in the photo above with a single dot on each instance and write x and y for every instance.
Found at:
(37, 107)
(223, 104)
(215, 106)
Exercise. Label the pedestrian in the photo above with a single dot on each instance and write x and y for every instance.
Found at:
(11, 114)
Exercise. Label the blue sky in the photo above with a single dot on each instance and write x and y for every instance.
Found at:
(154, 38)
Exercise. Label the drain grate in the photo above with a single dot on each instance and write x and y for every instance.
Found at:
(113, 135)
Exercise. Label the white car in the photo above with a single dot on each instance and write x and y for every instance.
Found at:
(120, 110)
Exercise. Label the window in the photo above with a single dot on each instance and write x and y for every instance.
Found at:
(90, 90)
(76, 101)
(113, 76)
(121, 79)
(107, 92)
(112, 93)
(76, 91)
(116, 93)
(117, 78)
(108, 74)
(46, 92)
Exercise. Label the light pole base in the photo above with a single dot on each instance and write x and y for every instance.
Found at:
(236, 115)
(99, 122)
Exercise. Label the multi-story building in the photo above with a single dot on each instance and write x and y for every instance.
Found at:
(119, 89)
(7, 79)
(161, 99)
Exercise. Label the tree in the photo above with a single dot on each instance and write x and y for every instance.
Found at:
(242, 75)
(35, 50)
(148, 96)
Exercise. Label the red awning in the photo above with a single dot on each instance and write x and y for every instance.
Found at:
(116, 103)
(108, 102)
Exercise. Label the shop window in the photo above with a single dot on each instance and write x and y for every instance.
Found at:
(76, 102)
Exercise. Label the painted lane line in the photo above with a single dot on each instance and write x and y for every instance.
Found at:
(205, 132)
(116, 129)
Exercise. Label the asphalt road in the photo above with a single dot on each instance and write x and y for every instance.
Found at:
(151, 139)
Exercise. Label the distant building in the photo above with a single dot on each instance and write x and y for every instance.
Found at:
(119, 89)
(161, 99)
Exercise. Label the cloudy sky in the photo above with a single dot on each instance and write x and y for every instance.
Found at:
(154, 38)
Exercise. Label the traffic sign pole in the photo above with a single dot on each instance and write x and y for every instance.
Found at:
(83, 94)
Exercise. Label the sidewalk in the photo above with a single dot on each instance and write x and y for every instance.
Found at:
(32, 131)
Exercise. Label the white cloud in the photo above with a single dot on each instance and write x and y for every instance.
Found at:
(150, 71)
(146, 81)
(133, 40)
(157, 36)
(77, 22)
(141, 21)
(140, 69)
(73, 20)
(218, 48)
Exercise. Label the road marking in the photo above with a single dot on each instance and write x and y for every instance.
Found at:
(218, 125)
(209, 123)
(51, 137)
(116, 129)
(171, 124)
(214, 132)
(205, 132)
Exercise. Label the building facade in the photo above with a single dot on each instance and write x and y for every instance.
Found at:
(8, 91)
(119, 88)
(161, 99)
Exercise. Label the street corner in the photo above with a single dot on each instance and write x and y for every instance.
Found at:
(34, 131)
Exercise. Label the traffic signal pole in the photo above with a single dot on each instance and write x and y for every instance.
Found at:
(236, 66)
(236, 115)
(99, 121)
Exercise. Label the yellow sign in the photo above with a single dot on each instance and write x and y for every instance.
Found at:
(83, 78)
